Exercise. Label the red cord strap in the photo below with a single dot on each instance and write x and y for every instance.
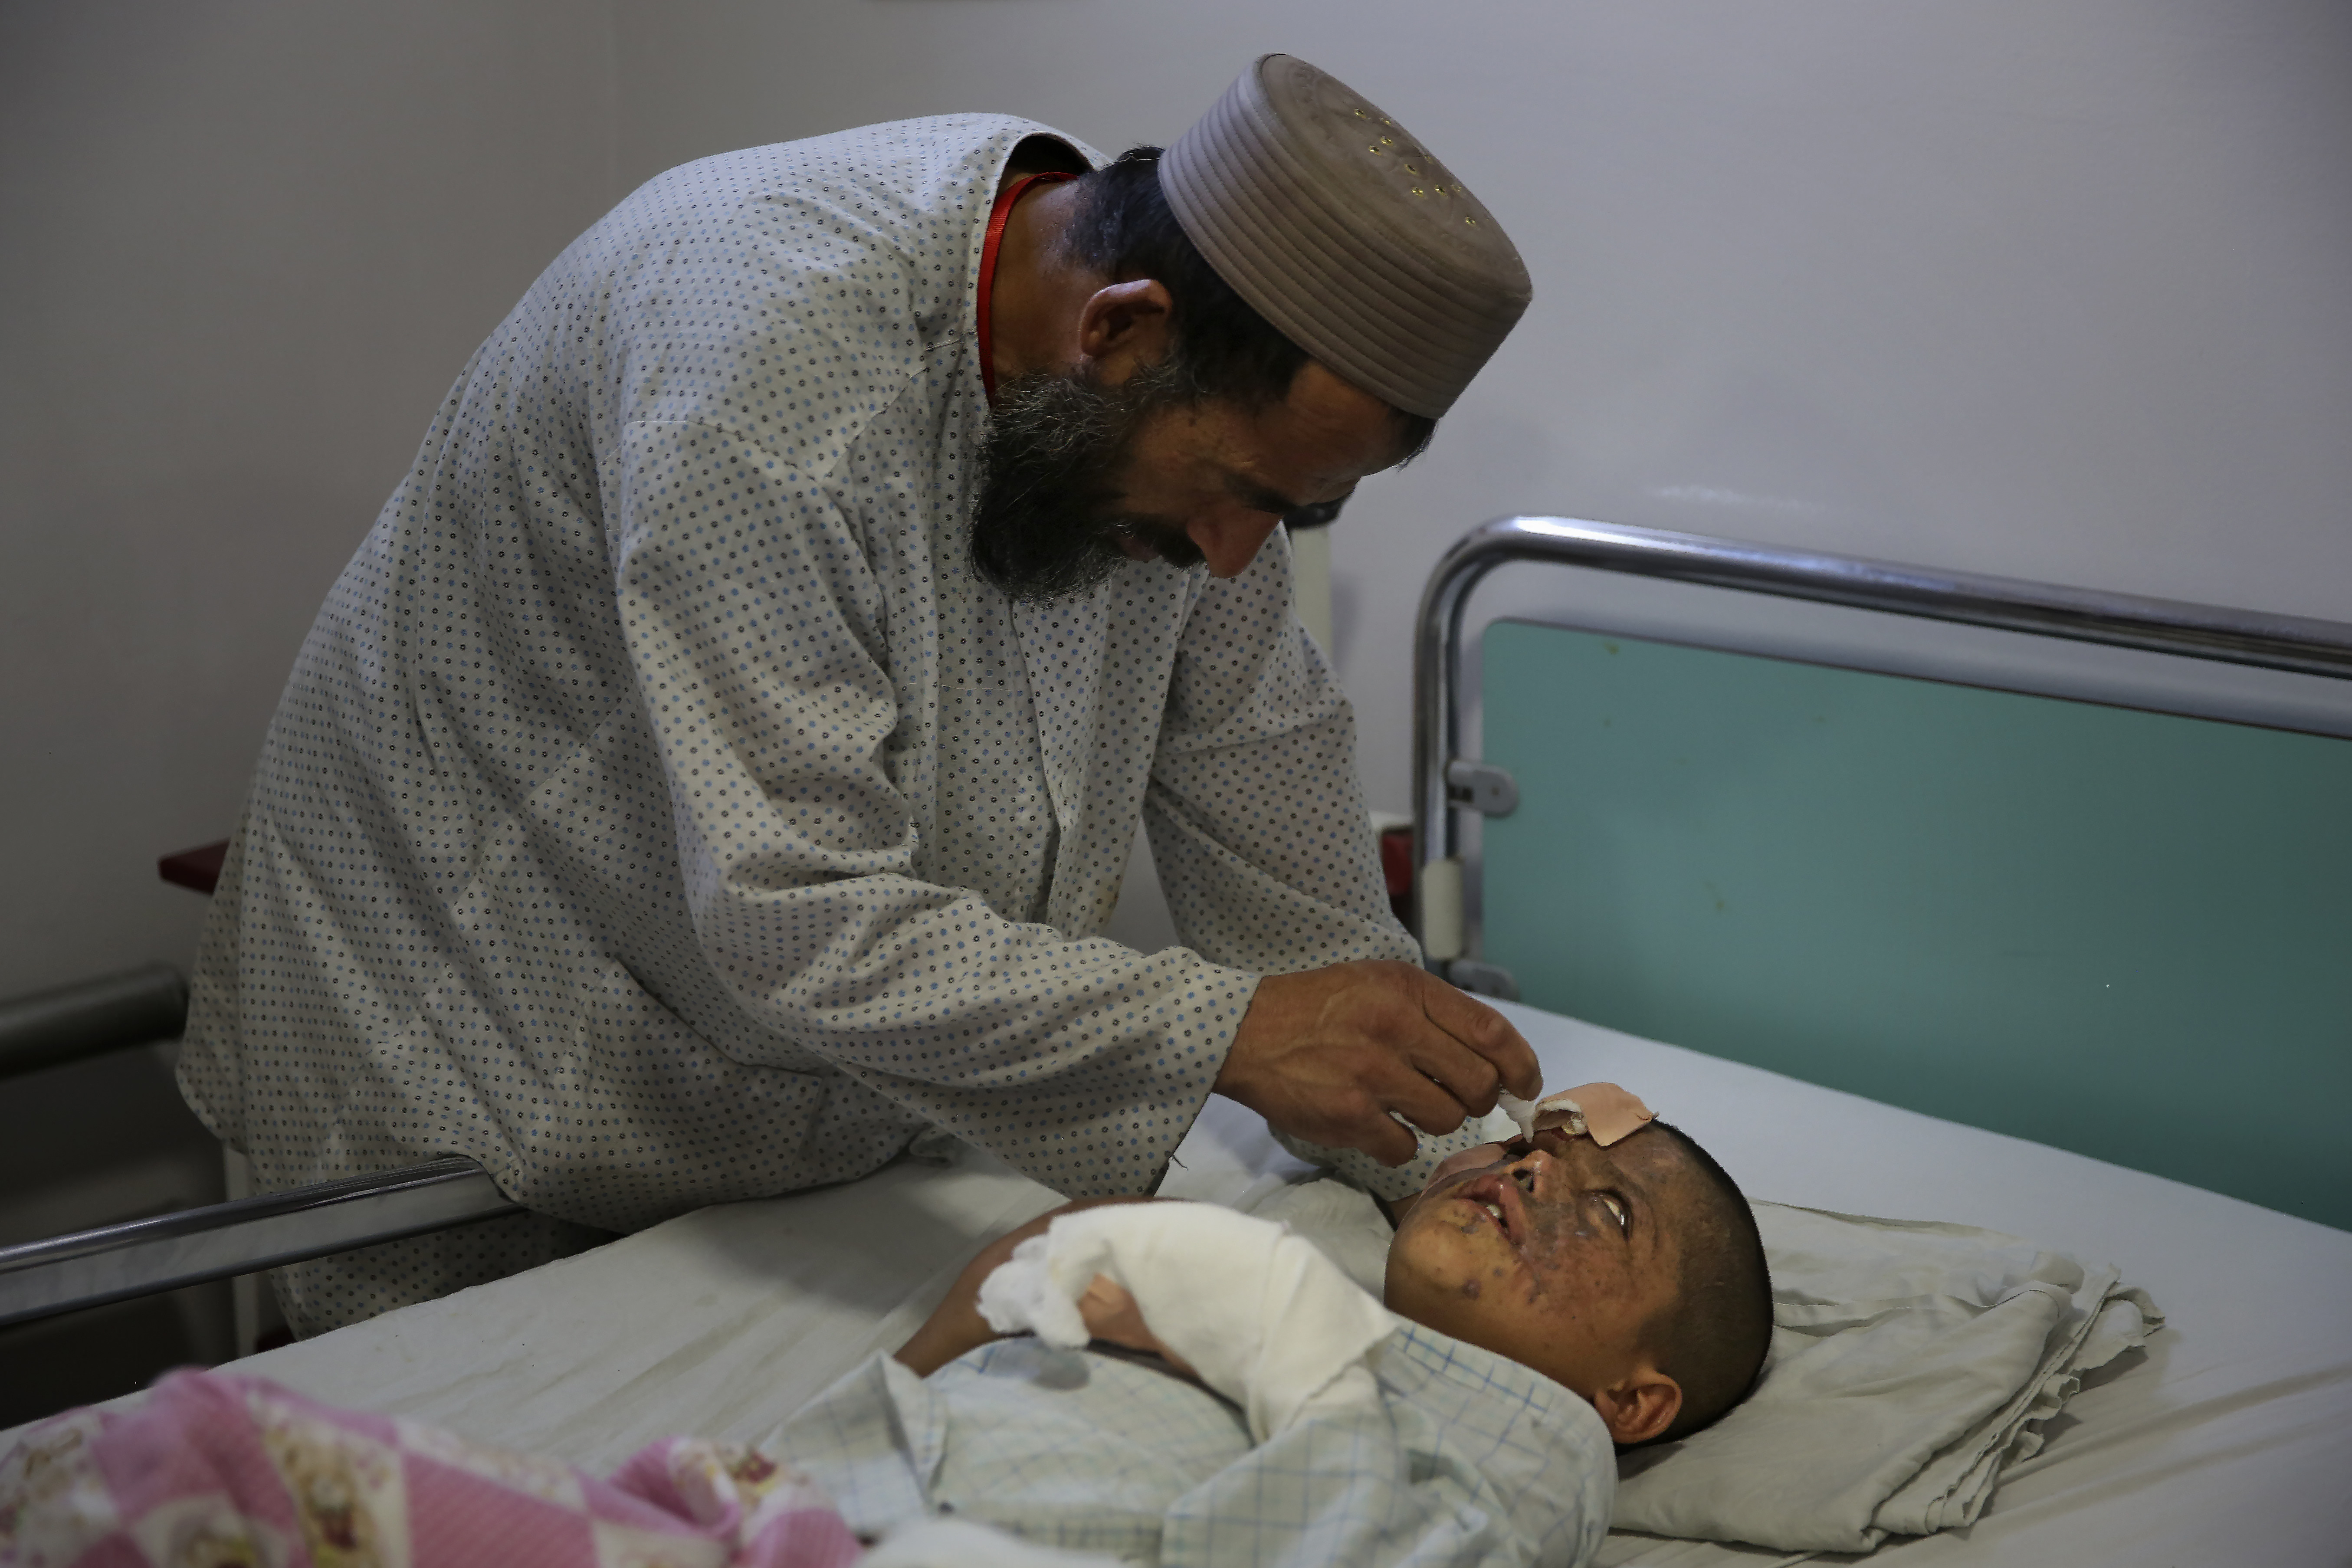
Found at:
(1006, 199)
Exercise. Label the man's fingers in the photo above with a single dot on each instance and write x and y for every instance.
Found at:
(1329, 1054)
(1426, 1104)
(1487, 1032)
(1373, 1131)
(1466, 1075)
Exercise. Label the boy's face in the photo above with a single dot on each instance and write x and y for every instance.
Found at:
(1555, 1253)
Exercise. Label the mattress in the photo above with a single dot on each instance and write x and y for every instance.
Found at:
(2228, 1440)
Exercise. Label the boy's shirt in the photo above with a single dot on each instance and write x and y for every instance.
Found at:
(1466, 1458)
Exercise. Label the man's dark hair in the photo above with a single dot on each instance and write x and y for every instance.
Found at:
(1224, 348)
(1712, 1341)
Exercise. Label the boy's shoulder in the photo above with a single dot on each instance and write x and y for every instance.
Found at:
(1479, 1387)
(1343, 1221)
(1542, 1453)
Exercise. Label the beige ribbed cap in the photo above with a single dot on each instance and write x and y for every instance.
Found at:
(1344, 232)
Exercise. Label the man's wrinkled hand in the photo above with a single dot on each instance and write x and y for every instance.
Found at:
(1326, 1055)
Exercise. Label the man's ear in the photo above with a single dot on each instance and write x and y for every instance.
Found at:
(1125, 325)
(1639, 1406)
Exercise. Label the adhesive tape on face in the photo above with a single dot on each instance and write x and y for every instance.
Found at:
(1601, 1111)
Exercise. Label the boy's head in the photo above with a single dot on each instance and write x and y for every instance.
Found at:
(1632, 1274)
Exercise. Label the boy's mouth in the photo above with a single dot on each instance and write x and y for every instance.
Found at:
(1498, 1198)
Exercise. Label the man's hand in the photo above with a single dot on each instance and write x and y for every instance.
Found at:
(1327, 1053)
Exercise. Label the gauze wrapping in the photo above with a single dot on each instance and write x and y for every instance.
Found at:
(1522, 1111)
(1263, 1316)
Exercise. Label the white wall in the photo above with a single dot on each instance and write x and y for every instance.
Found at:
(249, 246)
(2048, 288)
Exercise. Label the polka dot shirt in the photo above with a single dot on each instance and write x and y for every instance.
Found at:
(661, 813)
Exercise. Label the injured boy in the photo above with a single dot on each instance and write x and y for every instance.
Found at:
(1203, 1387)
(1195, 1386)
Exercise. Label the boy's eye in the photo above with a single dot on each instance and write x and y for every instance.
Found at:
(1615, 1206)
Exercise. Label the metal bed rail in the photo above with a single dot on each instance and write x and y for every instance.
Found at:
(139, 1257)
(113, 1263)
(1444, 781)
(92, 1017)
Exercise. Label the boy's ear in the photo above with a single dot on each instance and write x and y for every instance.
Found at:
(1639, 1406)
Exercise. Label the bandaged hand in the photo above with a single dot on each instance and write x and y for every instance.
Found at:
(1112, 1316)
(1255, 1312)
(956, 1327)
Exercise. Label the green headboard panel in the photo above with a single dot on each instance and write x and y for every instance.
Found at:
(2120, 933)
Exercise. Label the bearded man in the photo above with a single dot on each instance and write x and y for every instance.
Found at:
(713, 770)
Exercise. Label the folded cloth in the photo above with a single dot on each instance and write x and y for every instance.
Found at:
(1909, 1363)
(1262, 1315)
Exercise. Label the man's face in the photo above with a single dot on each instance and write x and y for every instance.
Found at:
(1555, 1253)
(1081, 473)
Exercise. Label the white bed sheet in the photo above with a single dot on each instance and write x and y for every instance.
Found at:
(2229, 1441)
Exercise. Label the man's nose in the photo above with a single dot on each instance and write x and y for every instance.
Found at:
(1230, 539)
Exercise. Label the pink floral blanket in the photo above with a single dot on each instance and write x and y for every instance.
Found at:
(216, 1472)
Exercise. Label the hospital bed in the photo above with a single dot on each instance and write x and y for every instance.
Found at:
(2226, 1441)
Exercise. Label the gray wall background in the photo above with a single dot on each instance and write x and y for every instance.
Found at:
(2049, 287)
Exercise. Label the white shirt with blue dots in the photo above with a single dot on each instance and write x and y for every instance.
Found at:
(661, 813)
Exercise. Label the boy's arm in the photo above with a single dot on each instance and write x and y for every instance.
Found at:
(955, 1325)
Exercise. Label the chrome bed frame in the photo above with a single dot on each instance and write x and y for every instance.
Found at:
(1445, 781)
(139, 1258)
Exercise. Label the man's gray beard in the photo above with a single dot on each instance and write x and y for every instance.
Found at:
(1048, 524)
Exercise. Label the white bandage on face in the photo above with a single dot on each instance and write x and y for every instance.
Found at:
(1601, 1111)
